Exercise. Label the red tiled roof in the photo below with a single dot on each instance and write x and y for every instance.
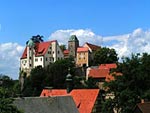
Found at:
(41, 49)
(82, 49)
(53, 92)
(84, 98)
(92, 46)
(66, 51)
(98, 73)
(109, 66)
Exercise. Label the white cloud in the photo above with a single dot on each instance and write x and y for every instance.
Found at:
(9, 59)
(136, 42)
(62, 36)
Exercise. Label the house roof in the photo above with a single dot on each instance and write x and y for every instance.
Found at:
(144, 107)
(92, 46)
(73, 38)
(82, 49)
(98, 73)
(40, 49)
(66, 51)
(109, 66)
(84, 98)
(59, 104)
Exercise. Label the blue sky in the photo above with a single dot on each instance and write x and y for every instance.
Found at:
(113, 23)
(20, 19)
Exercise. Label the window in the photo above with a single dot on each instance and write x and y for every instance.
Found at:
(53, 52)
(36, 59)
(58, 52)
(49, 52)
(29, 57)
(30, 65)
(41, 59)
(52, 59)
(50, 47)
(46, 58)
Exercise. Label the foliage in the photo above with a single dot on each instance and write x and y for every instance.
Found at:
(62, 47)
(57, 72)
(6, 103)
(53, 75)
(36, 39)
(132, 86)
(80, 82)
(105, 55)
(35, 82)
(11, 85)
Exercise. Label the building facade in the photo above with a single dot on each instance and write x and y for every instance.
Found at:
(82, 58)
(40, 54)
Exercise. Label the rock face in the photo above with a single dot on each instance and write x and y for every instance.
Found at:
(57, 104)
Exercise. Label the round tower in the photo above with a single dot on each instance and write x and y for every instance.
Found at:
(30, 53)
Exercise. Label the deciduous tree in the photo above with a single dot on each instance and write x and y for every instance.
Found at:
(132, 86)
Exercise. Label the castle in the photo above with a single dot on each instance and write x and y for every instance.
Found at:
(43, 53)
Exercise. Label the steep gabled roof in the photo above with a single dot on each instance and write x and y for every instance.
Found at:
(84, 98)
(92, 46)
(82, 49)
(40, 49)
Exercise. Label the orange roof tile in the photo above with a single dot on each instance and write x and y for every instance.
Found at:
(84, 98)
(41, 49)
(109, 66)
(82, 49)
(98, 73)
(92, 46)
(66, 51)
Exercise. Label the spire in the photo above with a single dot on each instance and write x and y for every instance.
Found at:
(73, 38)
(69, 80)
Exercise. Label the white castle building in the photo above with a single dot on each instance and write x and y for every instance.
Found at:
(40, 54)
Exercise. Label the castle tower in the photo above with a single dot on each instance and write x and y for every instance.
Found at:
(73, 44)
(30, 54)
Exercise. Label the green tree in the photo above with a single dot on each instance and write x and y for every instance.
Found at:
(80, 82)
(11, 85)
(132, 86)
(57, 72)
(6, 102)
(53, 75)
(105, 55)
(62, 47)
(35, 82)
